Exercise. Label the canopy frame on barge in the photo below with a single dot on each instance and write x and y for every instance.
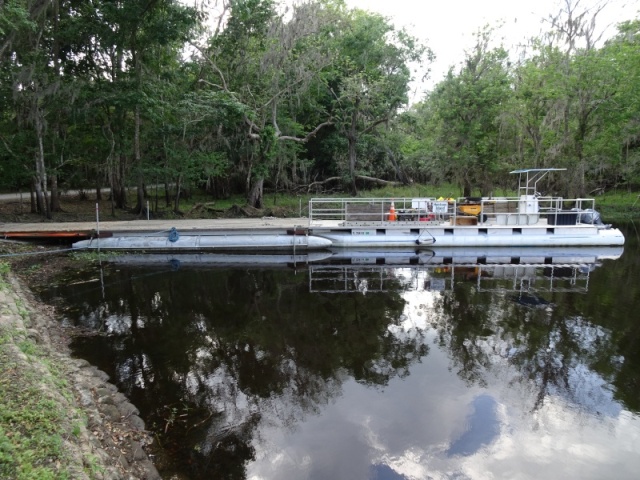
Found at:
(526, 220)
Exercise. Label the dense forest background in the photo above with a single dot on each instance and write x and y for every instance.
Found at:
(266, 95)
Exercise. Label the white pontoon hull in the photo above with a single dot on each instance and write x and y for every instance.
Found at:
(207, 242)
(476, 236)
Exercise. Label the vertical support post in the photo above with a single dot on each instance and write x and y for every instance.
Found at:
(293, 239)
(99, 257)
(98, 224)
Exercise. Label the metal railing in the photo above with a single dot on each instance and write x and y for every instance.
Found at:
(379, 209)
(526, 210)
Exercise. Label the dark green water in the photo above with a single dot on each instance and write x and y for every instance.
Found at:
(356, 369)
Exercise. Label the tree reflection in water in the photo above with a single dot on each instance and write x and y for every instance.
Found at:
(552, 346)
(211, 355)
(208, 354)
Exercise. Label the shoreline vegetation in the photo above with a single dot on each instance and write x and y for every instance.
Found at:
(59, 416)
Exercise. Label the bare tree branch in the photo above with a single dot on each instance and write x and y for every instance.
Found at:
(375, 124)
(309, 135)
(213, 65)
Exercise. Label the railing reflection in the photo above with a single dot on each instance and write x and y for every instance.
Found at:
(556, 269)
(520, 270)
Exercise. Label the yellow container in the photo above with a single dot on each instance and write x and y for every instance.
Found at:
(470, 209)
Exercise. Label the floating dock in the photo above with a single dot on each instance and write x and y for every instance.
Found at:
(133, 227)
(266, 233)
(526, 220)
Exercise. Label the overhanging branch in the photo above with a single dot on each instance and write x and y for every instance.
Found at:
(309, 135)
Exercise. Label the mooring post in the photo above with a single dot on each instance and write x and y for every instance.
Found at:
(98, 224)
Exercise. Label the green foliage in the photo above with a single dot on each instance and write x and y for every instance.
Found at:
(14, 15)
(102, 93)
(466, 109)
(371, 79)
(566, 103)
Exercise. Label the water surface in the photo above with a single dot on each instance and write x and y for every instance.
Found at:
(374, 367)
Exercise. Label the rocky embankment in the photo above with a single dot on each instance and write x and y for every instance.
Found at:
(102, 435)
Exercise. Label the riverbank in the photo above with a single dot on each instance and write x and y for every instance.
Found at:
(60, 418)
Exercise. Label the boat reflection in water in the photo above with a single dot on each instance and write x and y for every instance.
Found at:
(529, 270)
(221, 260)
(367, 364)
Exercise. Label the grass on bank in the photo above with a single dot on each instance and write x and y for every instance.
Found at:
(618, 206)
(33, 422)
(613, 205)
(288, 203)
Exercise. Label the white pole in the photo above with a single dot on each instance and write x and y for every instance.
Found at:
(98, 224)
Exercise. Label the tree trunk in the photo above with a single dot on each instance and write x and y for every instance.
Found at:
(119, 165)
(32, 195)
(466, 188)
(248, 178)
(40, 201)
(155, 200)
(137, 161)
(55, 195)
(118, 193)
(352, 138)
(294, 169)
(399, 173)
(140, 195)
(256, 194)
(377, 181)
(118, 188)
(41, 171)
(176, 207)
(167, 194)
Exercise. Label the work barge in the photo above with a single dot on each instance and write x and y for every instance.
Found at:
(528, 219)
